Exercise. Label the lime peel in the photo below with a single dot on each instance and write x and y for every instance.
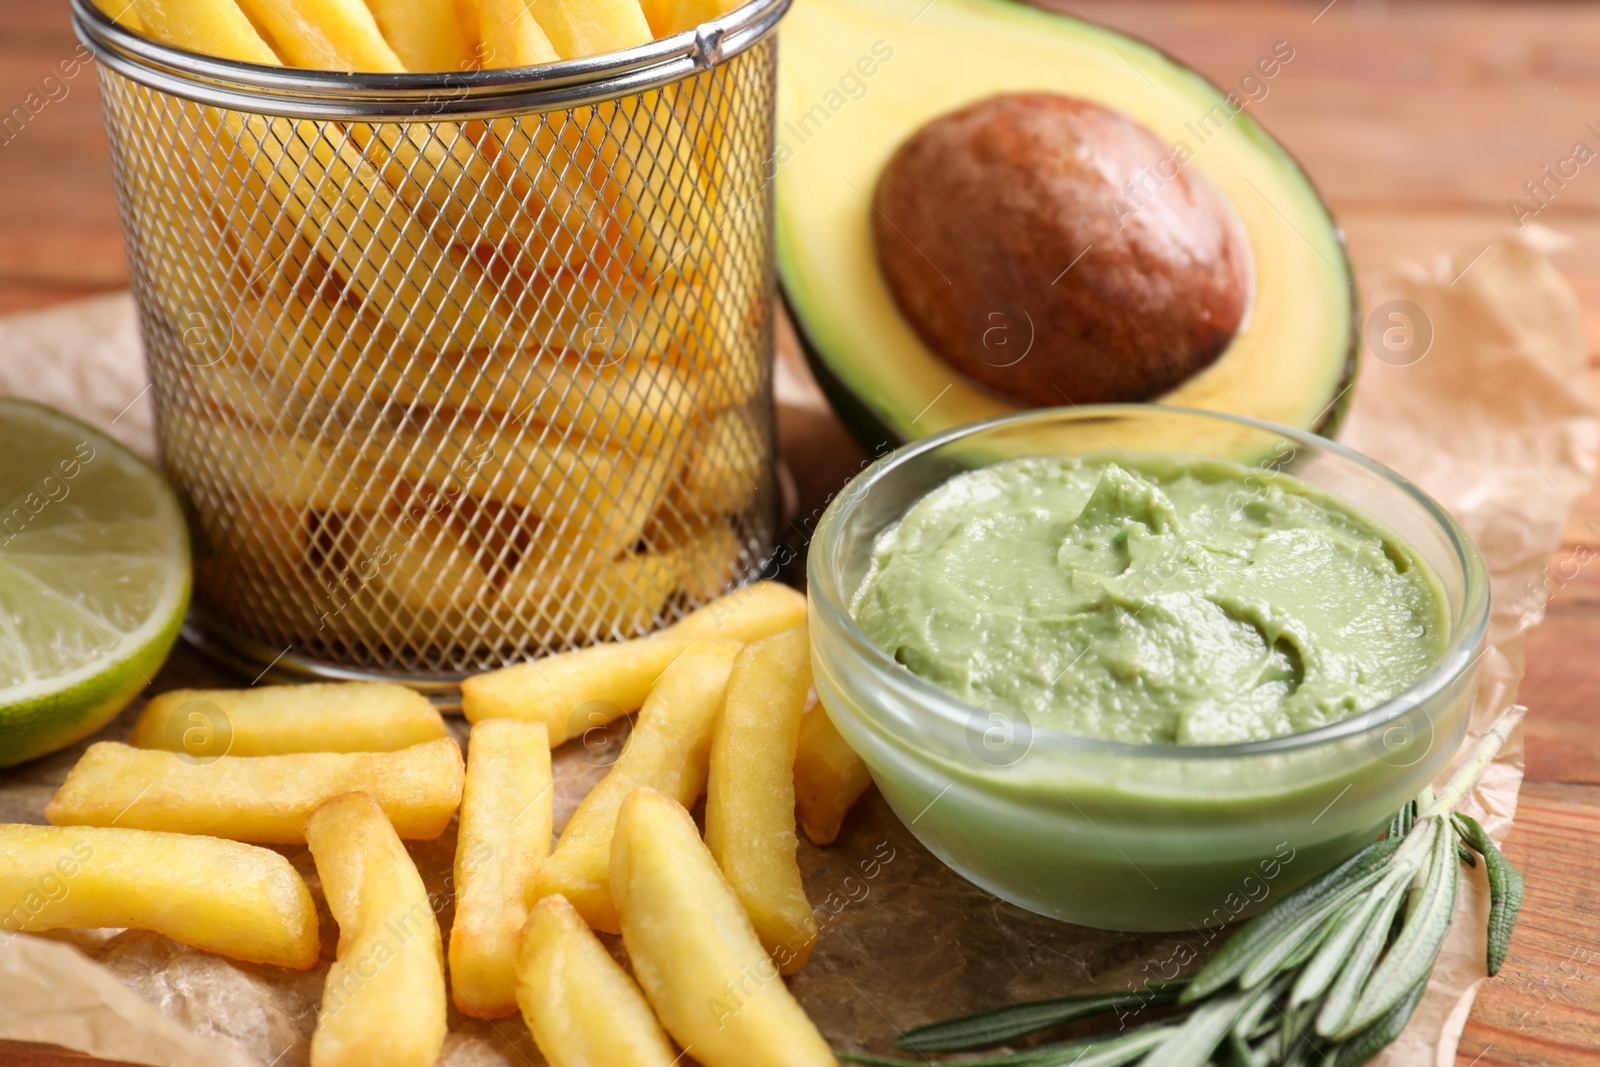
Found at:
(94, 579)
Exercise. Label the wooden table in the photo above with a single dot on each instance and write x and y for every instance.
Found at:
(1418, 121)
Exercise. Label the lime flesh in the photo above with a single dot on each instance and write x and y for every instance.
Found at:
(94, 578)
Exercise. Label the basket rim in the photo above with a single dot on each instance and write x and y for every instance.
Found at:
(472, 94)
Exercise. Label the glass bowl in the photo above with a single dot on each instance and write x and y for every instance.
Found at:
(1135, 837)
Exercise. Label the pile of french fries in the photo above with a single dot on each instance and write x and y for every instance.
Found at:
(164, 835)
(535, 333)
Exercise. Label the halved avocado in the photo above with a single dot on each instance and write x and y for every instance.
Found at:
(857, 77)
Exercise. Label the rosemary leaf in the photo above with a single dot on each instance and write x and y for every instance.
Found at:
(1317, 975)
(1111, 1050)
(1310, 928)
(1375, 1038)
(1299, 1056)
(1357, 967)
(1505, 889)
(1236, 954)
(1003, 1024)
(1240, 1054)
(1410, 959)
(1192, 1043)
(1407, 817)
(1251, 1022)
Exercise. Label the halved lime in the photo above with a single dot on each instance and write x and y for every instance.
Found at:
(94, 578)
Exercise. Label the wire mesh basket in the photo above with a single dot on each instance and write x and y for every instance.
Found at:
(453, 370)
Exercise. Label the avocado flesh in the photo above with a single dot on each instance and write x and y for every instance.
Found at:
(1294, 355)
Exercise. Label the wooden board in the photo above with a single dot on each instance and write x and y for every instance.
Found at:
(1419, 122)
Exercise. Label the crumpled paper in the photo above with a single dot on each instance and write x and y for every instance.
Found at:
(1492, 416)
(1496, 421)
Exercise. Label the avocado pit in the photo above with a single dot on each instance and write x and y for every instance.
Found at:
(1055, 251)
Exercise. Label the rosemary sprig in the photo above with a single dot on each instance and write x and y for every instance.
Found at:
(1327, 977)
(993, 1027)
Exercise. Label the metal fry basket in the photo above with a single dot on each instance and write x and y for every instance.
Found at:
(455, 369)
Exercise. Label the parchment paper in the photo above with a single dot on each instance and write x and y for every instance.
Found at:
(1493, 418)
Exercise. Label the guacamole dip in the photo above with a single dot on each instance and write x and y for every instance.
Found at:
(1152, 598)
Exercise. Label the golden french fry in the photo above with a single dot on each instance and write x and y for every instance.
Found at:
(236, 900)
(668, 750)
(579, 28)
(640, 406)
(342, 204)
(706, 559)
(693, 949)
(674, 16)
(305, 472)
(448, 566)
(595, 496)
(467, 16)
(730, 466)
(613, 680)
(210, 27)
(305, 342)
(217, 28)
(637, 215)
(123, 13)
(509, 35)
(252, 536)
(534, 158)
(265, 799)
(384, 999)
(506, 810)
(750, 793)
(619, 599)
(580, 1005)
(273, 720)
(325, 34)
(425, 34)
(828, 778)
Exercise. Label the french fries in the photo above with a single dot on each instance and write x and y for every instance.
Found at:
(669, 750)
(325, 34)
(613, 680)
(674, 16)
(303, 473)
(706, 558)
(750, 809)
(509, 35)
(210, 27)
(693, 949)
(263, 799)
(239, 901)
(828, 778)
(585, 27)
(425, 34)
(383, 1002)
(506, 811)
(638, 405)
(564, 287)
(580, 1005)
(123, 13)
(274, 720)
(727, 470)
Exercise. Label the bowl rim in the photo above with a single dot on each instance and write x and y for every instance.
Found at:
(1469, 623)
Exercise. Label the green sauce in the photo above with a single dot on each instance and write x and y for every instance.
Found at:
(1152, 598)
